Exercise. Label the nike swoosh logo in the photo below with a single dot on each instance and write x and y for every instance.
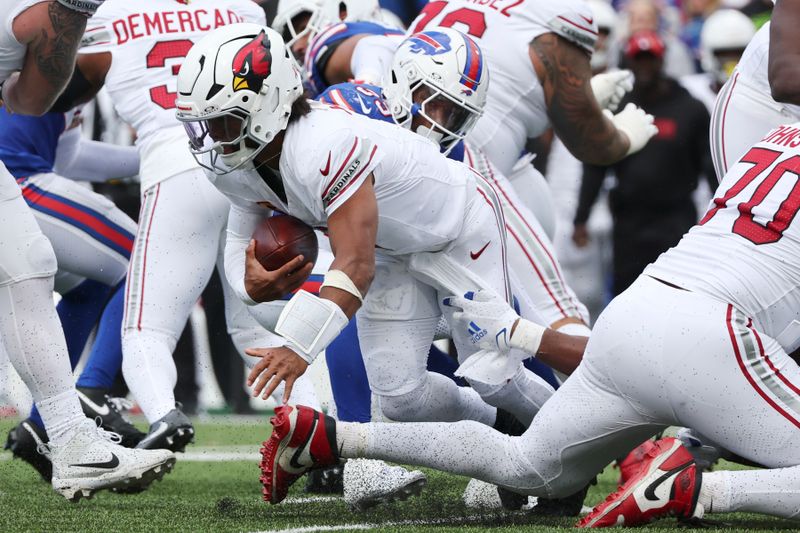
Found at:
(590, 20)
(364, 109)
(162, 428)
(650, 491)
(327, 169)
(112, 463)
(476, 255)
(102, 411)
(293, 462)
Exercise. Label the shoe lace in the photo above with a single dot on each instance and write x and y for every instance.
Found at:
(110, 436)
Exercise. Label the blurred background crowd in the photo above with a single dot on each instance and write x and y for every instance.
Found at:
(611, 222)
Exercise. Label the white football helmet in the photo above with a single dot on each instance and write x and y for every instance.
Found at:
(289, 9)
(242, 76)
(450, 67)
(726, 30)
(333, 11)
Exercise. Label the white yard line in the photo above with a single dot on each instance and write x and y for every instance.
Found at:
(366, 526)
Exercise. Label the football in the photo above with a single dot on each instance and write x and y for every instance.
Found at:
(281, 238)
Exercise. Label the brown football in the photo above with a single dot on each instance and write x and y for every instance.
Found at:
(281, 238)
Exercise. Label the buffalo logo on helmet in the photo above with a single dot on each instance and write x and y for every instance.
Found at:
(429, 43)
(252, 64)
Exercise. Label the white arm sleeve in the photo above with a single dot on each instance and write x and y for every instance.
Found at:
(83, 159)
(372, 57)
(242, 221)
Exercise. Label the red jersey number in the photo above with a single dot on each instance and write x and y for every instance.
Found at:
(745, 224)
(157, 58)
(474, 20)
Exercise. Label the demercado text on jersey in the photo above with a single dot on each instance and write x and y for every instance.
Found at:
(139, 25)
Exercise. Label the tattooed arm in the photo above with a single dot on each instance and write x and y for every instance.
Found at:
(563, 68)
(52, 33)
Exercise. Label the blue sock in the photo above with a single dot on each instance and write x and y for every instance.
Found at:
(349, 377)
(78, 311)
(105, 359)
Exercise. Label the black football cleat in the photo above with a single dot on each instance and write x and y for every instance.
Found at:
(99, 406)
(328, 480)
(172, 432)
(24, 442)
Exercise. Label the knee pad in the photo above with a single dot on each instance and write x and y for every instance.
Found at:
(31, 258)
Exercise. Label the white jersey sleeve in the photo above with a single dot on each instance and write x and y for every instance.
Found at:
(12, 52)
(571, 19)
(332, 172)
(242, 222)
(372, 57)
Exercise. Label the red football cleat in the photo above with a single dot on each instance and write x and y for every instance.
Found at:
(302, 439)
(634, 461)
(667, 484)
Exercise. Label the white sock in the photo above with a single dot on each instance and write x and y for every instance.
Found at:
(32, 335)
(774, 492)
(150, 371)
(61, 414)
(352, 439)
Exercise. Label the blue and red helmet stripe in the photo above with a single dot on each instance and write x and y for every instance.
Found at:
(473, 67)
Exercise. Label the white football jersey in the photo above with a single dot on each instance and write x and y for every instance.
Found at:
(12, 53)
(753, 68)
(504, 30)
(148, 39)
(422, 196)
(746, 249)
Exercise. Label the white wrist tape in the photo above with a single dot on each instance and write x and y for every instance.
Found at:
(84, 7)
(310, 324)
(527, 337)
(340, 280)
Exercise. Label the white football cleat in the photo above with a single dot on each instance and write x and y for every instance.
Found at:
(92, 460)
(481, 495)
(368, 482)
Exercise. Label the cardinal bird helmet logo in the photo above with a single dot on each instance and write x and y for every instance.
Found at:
(252, 64)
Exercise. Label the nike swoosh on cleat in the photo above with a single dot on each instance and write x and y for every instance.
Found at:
(162, 428)
(102, 411)
(650, 491)
(293, 462)
(327, 169)
(476, 255)
(112, 463)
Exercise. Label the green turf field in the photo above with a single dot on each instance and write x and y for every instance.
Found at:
(225, 496)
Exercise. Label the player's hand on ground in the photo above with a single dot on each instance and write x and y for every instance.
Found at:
(580, 235)
(269, 285)
(276, 365)
(484, 316)
(636, 124)
(609, 88)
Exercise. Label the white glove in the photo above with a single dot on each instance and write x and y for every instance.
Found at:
(84, 7)
(609, 88)
(485, 317)
(635, 124)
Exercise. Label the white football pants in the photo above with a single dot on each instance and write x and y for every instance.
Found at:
(658, 356)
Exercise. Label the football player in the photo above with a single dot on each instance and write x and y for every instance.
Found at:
(92, 240)
(353, 173)
(38, 41)
(135, 50)
(761, 93)
(709, 324)
(540, 56)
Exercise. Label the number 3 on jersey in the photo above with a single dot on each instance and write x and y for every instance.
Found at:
(745, 224)
(157, 58)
